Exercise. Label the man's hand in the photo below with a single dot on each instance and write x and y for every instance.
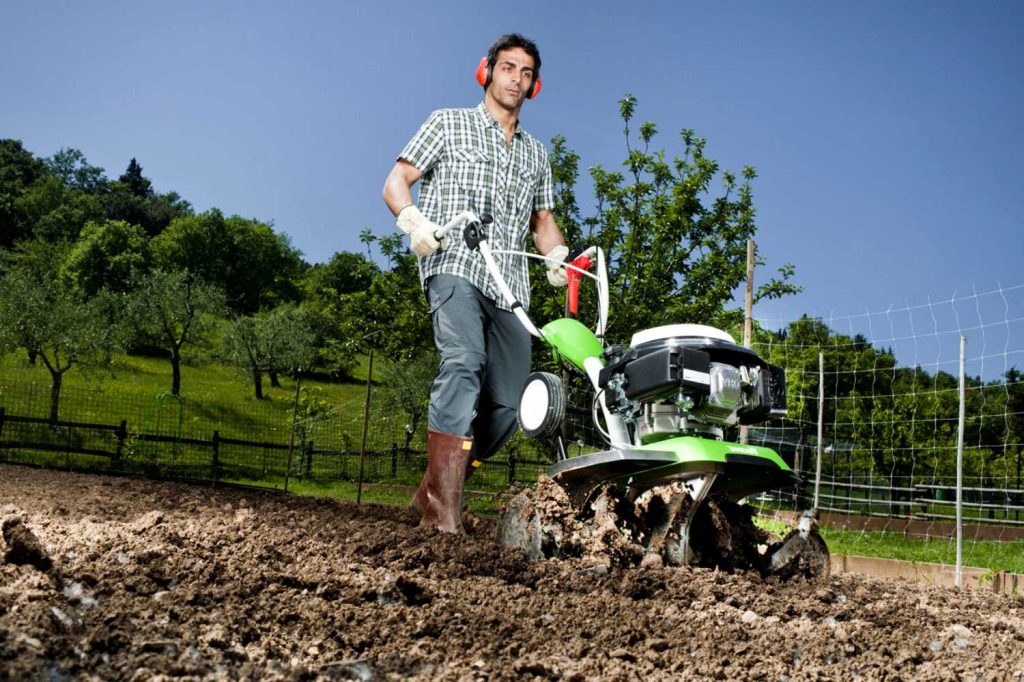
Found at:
(420, 230)
(556, 271)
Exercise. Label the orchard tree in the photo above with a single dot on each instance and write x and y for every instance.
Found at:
(41, 313)
(176, 309)
(405, 389)
(280, 341)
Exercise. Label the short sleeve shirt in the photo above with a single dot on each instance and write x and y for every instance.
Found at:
(467, 164)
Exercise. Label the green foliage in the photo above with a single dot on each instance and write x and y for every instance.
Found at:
(255, 266)
(405, 388)
(110, 255)
(390, 314)
(44, 315)
(175, 309)
(312, 410)
(75, 172)
(281, 341)
(676, 251)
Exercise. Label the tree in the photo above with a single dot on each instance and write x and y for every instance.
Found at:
(406, 389)
(176, 309)
(133, 180)
(676, 253)
(19, 169)
(132, 199)
(75, 172)
(262, 267)
(53, 321)
(109, 255)
(256, 267)
(281, 341)
(391, 314)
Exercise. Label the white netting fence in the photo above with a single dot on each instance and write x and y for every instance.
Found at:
(890, 417)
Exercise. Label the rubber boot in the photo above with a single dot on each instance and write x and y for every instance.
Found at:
(419, 500)
(448, 457)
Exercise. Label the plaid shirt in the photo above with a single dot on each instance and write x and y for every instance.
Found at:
(466, 164)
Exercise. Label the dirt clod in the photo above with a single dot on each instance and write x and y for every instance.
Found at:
(23, 547)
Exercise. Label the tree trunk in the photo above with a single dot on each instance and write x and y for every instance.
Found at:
(58, 379)
(257, 380)
(273, 378)
(32, 358)
(176, 370)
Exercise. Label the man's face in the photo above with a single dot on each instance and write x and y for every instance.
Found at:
(511, 78)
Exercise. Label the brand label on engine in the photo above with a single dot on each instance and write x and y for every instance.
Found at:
(696, 377)
(740, 450)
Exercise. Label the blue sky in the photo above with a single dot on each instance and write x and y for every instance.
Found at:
(887, 135)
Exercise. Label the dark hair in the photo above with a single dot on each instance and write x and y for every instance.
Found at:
(509, 41)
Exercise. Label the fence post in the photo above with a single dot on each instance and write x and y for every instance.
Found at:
(216, 455)
(821, 427)
(748, 310)
(307, 453)
(3, 412)
(960, 468)
(394, 460)
(122, 434)
(511, 467)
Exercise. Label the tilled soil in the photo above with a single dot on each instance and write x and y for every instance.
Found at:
(157, 580)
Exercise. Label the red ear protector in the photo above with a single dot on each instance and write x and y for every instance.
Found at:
(483, 77)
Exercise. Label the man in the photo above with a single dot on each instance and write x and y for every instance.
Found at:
(478, 159)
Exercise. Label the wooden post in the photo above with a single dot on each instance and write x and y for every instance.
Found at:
(366, 424)
(291, 438)
(216, 455)
(748, 322)
(122, 434)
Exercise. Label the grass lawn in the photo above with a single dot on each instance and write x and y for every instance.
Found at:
(214, 396)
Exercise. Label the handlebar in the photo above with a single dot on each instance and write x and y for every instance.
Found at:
(464, 217)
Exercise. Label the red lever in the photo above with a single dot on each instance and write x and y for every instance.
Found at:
(574, 277)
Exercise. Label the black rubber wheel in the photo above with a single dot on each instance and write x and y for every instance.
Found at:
(541, 405)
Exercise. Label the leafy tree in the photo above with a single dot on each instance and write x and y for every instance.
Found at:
(53, 321)
(19, 169)
(256, 267)
(676, 252)
(391, 314)
(406, 389)
(263, 266)
(132, 199)
(176, 309)
(281, 341)
(111, 255)
(75, 172)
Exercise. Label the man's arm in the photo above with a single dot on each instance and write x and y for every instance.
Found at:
(546, 234)
(398, 186)
(550, 242)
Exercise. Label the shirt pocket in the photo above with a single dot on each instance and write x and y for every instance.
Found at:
(473, 171)
(525, 187)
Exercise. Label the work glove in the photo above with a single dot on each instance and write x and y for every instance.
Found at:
(420, 230)
(556, 271)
